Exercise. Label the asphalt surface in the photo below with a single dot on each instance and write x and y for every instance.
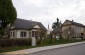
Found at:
(73, 50)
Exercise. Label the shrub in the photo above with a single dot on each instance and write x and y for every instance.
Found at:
(14, 42)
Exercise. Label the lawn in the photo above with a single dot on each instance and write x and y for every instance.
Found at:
(45, 42)
(8, 49)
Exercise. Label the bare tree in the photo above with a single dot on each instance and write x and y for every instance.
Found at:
(42, 35)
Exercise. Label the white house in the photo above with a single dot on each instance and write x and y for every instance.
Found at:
(26, 29)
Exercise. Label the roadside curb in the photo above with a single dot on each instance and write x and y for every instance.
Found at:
(38, 49)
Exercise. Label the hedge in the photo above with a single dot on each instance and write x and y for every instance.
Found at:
(14, 42)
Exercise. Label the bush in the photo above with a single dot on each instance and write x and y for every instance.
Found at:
(14, 42)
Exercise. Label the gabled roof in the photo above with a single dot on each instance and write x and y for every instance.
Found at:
(75, 23)
(26, 24)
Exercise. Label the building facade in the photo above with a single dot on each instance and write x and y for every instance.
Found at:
(26, 29)
(73, 29)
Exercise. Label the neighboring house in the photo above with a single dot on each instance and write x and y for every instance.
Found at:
(73, 29)
(57, 32)
(26, 29)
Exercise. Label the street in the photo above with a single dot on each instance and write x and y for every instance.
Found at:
(73, 50)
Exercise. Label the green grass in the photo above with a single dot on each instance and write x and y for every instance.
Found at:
(45, 42)
(8, 49)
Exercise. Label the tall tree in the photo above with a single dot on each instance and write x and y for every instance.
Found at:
(56, 24)
(8, 13)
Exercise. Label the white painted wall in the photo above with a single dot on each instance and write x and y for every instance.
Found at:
(12, 33)
(34, 30)
(18, 32)
(36, 26)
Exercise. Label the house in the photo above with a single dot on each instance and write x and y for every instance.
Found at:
(57, 32)
(26, 29)
(73, 29)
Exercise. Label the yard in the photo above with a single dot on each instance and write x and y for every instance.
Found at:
(44, 42)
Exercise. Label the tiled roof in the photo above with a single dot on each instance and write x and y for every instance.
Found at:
(26, 24)
(77, 24)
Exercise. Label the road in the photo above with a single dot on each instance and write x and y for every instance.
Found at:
(73, 50)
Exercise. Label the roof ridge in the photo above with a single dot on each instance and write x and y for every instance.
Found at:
(26, 24)
(28, 20)
(76, 23)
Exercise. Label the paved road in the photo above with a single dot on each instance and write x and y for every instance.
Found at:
(73, 50)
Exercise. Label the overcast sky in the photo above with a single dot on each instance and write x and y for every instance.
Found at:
(46, 11)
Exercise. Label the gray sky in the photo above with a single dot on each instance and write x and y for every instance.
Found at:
(46, 11)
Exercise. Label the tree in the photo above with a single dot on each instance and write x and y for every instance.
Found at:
(8, 14)
(55, 24)
(51, 38)
(42, 35)
(58, 25)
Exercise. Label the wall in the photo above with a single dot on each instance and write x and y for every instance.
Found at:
(18, 33)
(36, 26)
(15, 35)
(78, 30)
(65, 30)
(75, 31)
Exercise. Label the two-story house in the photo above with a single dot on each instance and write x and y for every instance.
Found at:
(73, 29)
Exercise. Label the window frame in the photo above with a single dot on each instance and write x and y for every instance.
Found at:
(12, 34)
(23, 34)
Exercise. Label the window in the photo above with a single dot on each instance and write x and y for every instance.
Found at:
(12, 34)
(23, 34)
